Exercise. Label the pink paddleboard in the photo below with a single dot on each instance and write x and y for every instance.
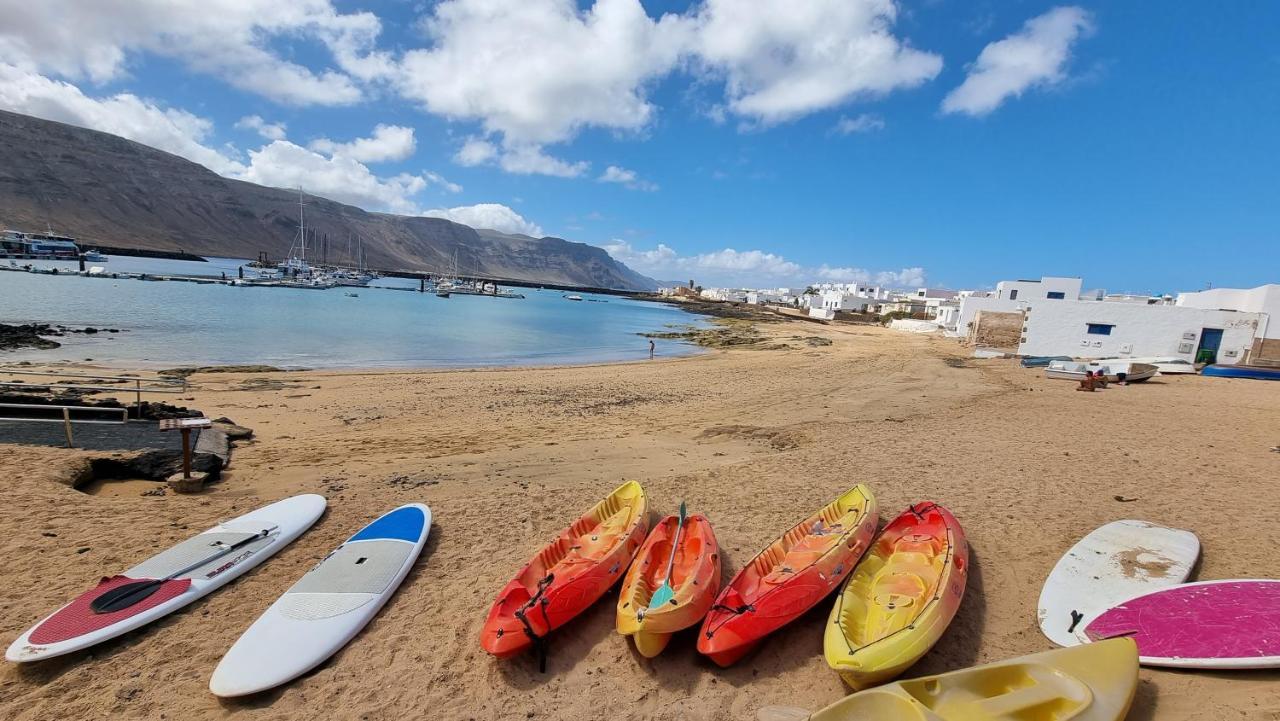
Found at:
(1210, 624)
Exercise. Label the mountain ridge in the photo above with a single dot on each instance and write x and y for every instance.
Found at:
(105, 189)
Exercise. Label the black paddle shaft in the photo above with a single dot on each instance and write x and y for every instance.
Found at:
(129, 594)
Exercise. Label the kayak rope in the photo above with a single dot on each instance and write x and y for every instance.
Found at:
(539, 642)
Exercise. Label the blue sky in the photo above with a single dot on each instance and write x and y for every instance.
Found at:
(753, 142)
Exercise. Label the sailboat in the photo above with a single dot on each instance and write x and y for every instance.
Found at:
(295, 271)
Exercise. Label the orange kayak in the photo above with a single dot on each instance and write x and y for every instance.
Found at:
(790, 576)
(695, 577)
(569, 574)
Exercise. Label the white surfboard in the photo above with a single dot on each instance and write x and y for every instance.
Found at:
(1117, 561)
(243, 543)
(327, 607)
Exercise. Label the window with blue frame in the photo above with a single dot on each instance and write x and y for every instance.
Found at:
(1100, 329)
(1056, 295)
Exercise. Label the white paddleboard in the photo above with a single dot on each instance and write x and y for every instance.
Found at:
(1117, 561)
(75, 626)
(327, 607)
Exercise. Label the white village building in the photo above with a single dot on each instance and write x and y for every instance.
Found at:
(1010, 296)
(1100, 329)
(1264, 299)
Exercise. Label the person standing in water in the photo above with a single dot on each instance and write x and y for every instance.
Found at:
(650, 349)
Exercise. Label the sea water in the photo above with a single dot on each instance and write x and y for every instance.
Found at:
(173, 323)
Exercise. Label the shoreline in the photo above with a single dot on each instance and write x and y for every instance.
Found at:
(753, 440)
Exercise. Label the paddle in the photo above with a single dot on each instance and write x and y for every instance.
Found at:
(665, 592)
(127, 595)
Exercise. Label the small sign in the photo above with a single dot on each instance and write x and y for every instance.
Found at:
(1185, 347)
(174, 424)
(1191, 335)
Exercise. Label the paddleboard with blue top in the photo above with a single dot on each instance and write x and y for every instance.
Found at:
(327, 607)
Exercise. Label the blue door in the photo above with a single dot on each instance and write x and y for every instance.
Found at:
(1210, 341)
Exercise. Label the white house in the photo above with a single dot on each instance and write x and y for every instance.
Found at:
(1010, 296)
(842, 300)
(940, 293)
(1263, 299)
(1092, 329)
(1048, 287)
(947, 315)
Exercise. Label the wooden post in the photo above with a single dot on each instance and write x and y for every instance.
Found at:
(138, 398)
(66, 425)
(186, 453)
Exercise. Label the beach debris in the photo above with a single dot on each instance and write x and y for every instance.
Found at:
(406, 483)
(1123, 499)
(1275, 449)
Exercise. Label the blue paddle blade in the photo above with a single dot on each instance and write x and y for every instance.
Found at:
(665, 593)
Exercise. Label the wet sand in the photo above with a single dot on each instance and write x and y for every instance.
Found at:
(755, 439)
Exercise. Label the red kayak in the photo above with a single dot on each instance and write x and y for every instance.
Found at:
(790, 576)
(568, 575)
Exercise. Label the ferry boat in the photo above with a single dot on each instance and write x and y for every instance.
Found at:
(39, 245)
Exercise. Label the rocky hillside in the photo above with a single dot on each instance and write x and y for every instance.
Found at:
(114, 192)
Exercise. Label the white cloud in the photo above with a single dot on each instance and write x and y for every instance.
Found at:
(531, 160)
(537, 71)
(627, 178)
(476, 151)
(782, 59)
(270, 131)
(1036, 56)
(493, 216)
(518, 159)
(282, 164)
(388, 143)
(124, 114)
(905, 278)
(230, 39)
(279, 163)
(865, 123)
(747, 268)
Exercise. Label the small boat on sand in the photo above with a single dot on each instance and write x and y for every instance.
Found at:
(1040, 361)
(1111, 370)
(1242, 371)
(1167, 365)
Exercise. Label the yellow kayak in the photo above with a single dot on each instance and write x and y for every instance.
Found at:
(900, 598)
(1091, 682)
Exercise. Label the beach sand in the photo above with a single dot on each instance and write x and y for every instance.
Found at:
(755, 439)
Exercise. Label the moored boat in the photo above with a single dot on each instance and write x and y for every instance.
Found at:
(1242, 371)
(1167, 365)
(1073, 371)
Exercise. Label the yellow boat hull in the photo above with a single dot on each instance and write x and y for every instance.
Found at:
(900, 598)
(1091, 682)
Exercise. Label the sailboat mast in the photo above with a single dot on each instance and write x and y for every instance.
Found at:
(302, 224)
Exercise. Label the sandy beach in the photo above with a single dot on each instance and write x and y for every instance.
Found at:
(755, 439)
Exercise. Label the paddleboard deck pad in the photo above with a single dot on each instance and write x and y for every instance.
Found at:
(1117, 561)
(1210, 624)
(76, 626)
(327, 607)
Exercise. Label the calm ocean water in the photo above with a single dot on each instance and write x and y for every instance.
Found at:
(174, 323)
